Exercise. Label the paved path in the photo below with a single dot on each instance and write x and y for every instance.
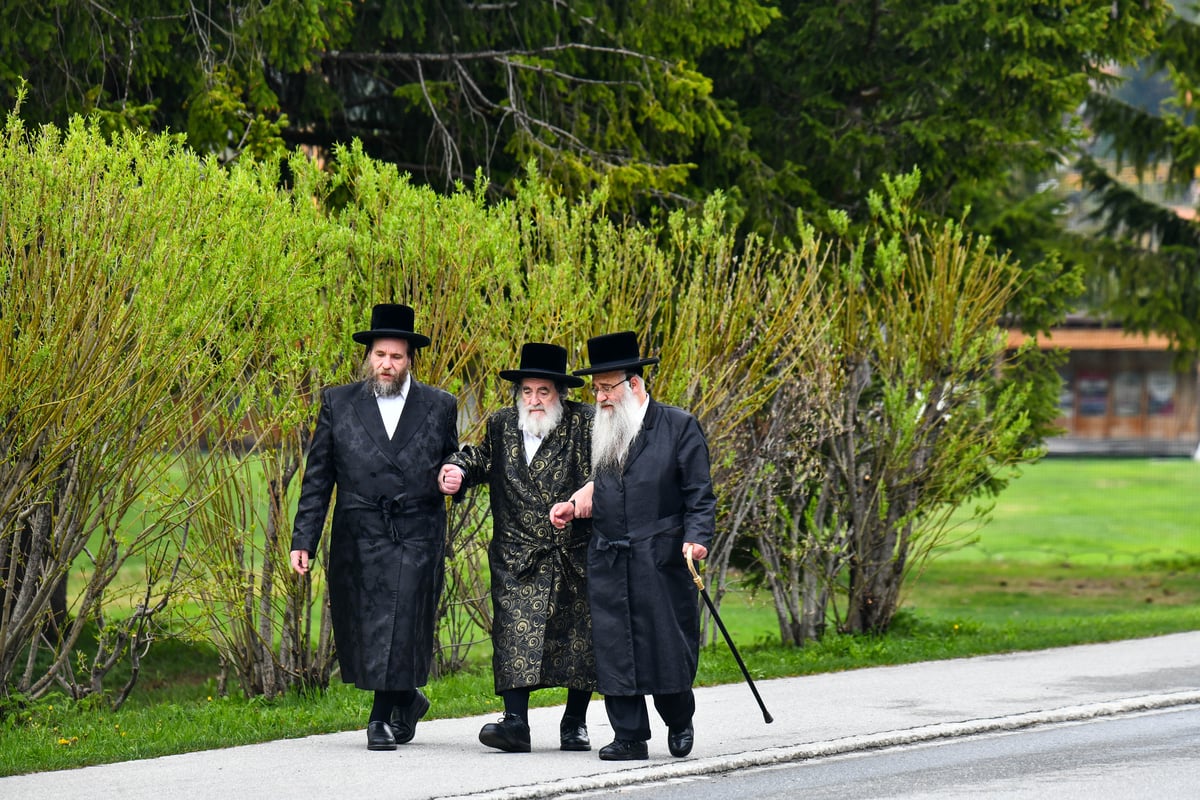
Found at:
(814, 716)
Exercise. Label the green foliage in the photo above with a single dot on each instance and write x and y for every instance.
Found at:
(1144, 252)
(102, 393)
(835, 96)
(595, 92)
(160, 65)
(907, 416)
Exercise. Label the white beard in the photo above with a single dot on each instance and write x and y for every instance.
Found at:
(613, 430)
(539, 424)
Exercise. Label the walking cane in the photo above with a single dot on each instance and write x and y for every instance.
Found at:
(696, 579)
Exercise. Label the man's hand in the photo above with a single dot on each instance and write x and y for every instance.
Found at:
(450, 479)
(583, 500)
(561, 514)
(698, 551)
(300, 561)
(578, 507)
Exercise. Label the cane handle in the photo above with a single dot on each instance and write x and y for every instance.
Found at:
(696, 579)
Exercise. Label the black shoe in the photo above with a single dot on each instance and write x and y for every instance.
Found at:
(379, 736)
(573, 735)
(510, 734)
(679, 742)
(404, 720)
(624, 750)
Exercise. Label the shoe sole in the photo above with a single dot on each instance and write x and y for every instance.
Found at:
(381, 747)
(625, 758)
(504, 744)
(575, 748)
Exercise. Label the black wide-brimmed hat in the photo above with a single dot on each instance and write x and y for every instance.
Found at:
(391, 321)
(613, 352)
(539, 360)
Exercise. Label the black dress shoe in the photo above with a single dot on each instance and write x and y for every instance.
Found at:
(379, 736)
(510, 734)
(624, 750)
(404, 720)
(679, 742)
(573, 735)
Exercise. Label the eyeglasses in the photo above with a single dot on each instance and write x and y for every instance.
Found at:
(608, 388)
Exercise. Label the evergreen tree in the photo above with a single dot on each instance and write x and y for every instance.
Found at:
(1146, 254)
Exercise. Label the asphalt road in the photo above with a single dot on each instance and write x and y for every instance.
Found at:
(816, 717)
(1149, 755)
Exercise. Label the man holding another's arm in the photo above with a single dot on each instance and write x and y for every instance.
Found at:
(651, 501)
(533, 453)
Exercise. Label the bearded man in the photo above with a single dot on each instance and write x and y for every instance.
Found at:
(535, 453)
(380, 442)
(651, 503)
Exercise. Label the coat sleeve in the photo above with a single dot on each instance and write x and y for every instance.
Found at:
(475, 461)
(317, 487)
(450, 426)
(695, 475)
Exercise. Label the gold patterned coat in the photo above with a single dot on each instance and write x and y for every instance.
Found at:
(541, 627)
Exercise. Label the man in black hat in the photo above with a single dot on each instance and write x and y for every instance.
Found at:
(652, 502)
(381, 441)
(534, 453)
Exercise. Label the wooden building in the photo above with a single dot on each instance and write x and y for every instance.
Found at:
(1123, 394)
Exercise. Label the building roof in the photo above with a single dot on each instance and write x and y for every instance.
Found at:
(1093, 339)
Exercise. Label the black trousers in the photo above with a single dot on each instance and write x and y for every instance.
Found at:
(629, 718)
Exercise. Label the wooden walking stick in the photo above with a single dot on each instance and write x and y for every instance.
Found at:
(696, 579)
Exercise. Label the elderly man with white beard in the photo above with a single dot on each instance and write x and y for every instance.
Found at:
(535, 453)
(652, 502)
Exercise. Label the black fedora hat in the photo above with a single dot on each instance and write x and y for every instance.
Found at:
(539, 360)
(614, 351)
(391, 321)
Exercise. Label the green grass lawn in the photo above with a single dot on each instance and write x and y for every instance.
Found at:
(1101, 511)
(1077, 551)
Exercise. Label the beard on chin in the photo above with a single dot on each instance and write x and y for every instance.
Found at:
(383, 387)
(613, 430)
(539, 424)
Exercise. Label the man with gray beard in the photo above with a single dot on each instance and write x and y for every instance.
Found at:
(380, 443)
(652, 502)
(535, 453)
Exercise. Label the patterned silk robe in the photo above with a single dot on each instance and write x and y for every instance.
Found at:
(541, 628)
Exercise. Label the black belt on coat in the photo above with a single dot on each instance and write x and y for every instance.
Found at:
(389, 508)
(612, 547)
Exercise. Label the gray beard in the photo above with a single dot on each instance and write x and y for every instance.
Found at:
(613, 430)
(540, 425)
(382, 388)
(386, 388)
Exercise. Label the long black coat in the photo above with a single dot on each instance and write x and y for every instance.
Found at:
(541, 628)
(645, 615)
(388, 537)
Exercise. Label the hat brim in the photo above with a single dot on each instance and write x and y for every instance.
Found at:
(558, 377)
(415, 339)
(615, 366)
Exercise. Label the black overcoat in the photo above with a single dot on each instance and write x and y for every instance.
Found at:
(645, 615)
(541, 628)
(388, 536)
